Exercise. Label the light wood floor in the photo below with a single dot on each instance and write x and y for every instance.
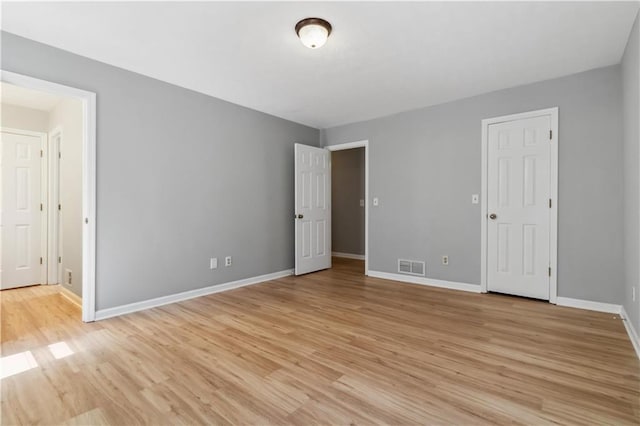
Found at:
(332, 347)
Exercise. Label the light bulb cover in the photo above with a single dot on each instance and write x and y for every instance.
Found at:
(313, 32)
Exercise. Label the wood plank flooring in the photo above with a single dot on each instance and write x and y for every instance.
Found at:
(333, 347)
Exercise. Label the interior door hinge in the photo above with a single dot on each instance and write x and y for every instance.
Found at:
(549, 270)
(41, 261)
(41, 154)
(59, 207)
(550, 134)
(59, 155)
(40, 206)
(549, 202)
(59, 259)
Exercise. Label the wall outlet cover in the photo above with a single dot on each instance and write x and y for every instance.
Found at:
(227, 261)
(68, 277)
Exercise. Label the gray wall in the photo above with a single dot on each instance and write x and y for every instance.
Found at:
(425, 165)
(181, 177)
(631, 90)
(347, 189)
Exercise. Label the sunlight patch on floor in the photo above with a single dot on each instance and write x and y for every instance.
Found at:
(16, 363)
(60, 350)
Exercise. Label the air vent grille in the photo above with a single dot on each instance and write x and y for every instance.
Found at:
(411, 267)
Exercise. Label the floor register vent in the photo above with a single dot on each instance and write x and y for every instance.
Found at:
(411, 267)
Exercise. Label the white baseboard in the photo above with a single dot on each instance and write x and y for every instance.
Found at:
(347, 255)
(426, 281)
(71, 296)
(631, 331)
(608, 308)
(589, 305)
(186, 295)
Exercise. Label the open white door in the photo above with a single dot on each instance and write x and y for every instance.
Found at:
(313, 209)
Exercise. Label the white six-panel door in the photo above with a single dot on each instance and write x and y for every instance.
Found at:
(20, 225)
(313, 209)
(518, 207)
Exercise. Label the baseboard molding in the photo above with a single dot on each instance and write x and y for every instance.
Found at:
(71, 296)
(426, 281)
(631, 331)
(186, 295)
(347, 255)
(588, 305)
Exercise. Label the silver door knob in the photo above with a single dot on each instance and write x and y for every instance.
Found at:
(493, 216)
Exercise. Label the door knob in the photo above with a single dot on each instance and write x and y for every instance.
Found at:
(300, 216)
(493, 216)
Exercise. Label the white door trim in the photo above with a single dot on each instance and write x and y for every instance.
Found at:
(361, 144)
(88, 100)
(553, 229)
(43, 194)
(54, 272)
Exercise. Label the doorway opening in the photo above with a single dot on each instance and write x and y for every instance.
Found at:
(348, 207)
(313, 208)
(350, 202)
(48, 188)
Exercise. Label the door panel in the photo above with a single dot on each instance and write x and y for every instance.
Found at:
(313, 209)
(518, 251)
(21, 215)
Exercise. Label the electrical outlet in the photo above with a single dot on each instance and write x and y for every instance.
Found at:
(475, 199)
(445, 260)
(68, 277)
(375, 201)
(227, 261)
(213, 263)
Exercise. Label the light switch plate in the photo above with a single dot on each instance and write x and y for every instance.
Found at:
(475, 199)
(375, 201)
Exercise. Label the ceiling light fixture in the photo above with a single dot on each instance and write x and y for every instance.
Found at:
(313, 32)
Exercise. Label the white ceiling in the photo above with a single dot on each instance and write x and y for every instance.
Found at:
(15, 95)
(381, 58)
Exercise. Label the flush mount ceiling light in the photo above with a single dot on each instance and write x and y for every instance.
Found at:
(313, 32)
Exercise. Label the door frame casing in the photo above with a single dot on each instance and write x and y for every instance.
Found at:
(44, 175)
(351, 145)
(89, 189)
(54, 272)
(553, 194)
